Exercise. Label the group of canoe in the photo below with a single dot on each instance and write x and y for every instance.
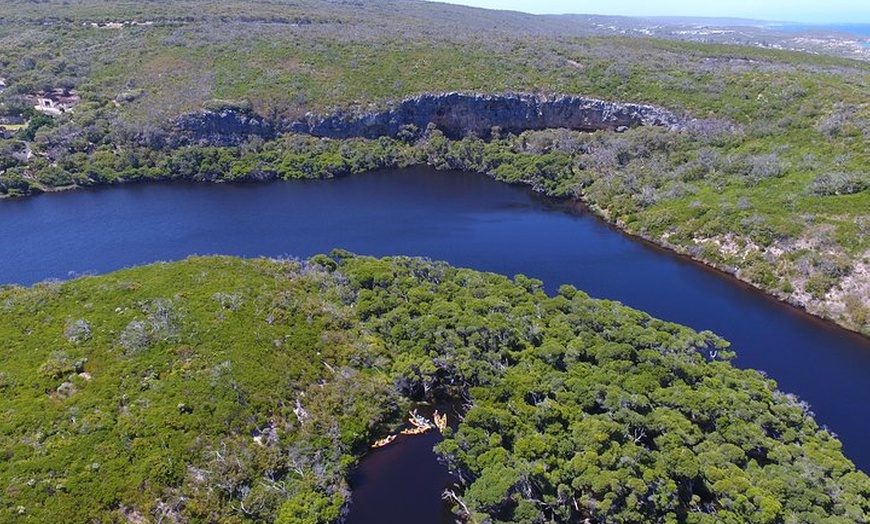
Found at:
(419, 425)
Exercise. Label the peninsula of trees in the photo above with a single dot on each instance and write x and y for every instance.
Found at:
(225, 390)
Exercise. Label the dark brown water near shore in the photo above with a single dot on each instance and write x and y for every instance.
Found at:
(412, 473)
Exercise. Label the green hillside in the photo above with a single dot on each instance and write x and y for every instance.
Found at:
(226, 390)
(768, 179)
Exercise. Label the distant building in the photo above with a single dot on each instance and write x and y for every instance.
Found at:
(56, 102)
(46, 105)
(2, 84)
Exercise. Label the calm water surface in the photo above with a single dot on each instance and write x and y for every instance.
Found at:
(465, 219)
(855, 29)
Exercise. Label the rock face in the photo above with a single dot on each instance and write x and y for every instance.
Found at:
(458, 114)
(226, 127)
(455, 114)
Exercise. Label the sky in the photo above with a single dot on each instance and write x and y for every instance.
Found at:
(806, 11)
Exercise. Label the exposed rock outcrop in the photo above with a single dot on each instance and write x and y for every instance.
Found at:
(455, 114)
(458, 114)
(224, 127)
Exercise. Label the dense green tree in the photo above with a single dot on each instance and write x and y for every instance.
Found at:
(226, 390)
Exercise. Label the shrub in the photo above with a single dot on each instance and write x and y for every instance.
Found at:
(840, 183)
(77, 330)
(58, 365)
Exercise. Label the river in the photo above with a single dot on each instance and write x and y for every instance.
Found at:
(465, 219)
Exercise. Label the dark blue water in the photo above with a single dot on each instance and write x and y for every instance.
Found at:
(465, 219)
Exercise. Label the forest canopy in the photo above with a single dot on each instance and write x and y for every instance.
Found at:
(227, 390)
(768, 180)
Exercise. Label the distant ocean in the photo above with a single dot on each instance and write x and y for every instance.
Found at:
(855, 29)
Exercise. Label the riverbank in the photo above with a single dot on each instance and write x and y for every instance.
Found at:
(324, 158)
(729, 272)
(780, 219)
(805, 304)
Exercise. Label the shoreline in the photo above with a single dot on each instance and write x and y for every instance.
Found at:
(577, 205)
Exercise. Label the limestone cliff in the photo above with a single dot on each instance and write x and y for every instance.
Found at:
(224, 127)
(458, 114)
(455, 114)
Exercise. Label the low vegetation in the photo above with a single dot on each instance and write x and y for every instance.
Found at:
(226, 390)
(769, 180)
(223, 390)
